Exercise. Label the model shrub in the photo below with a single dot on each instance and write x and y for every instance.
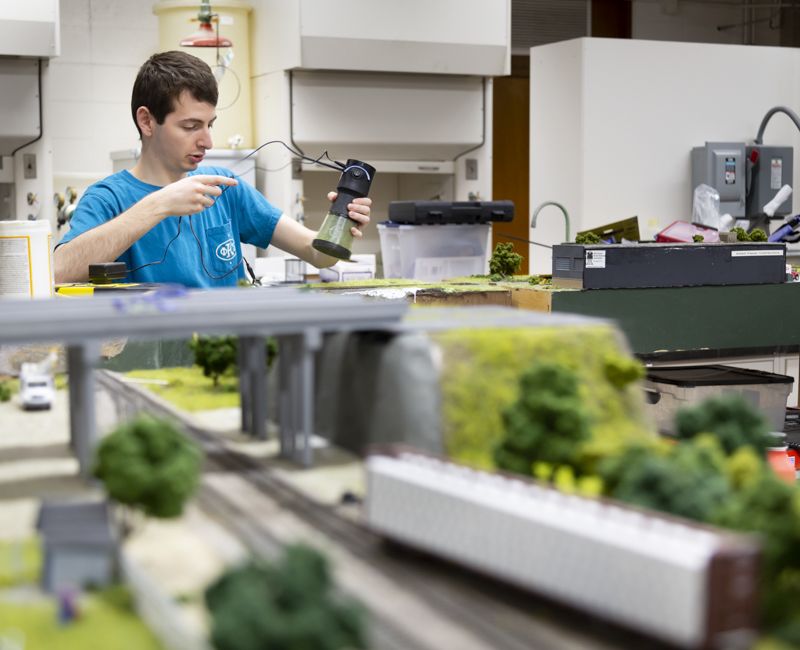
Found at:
(587, 238)
(504, 261)
(717, 474)
(729, 417)
(757, 234)
(620, 371)
(546, 423)
(286, 605)
(149, 465)
(5, 391)
(688, 480)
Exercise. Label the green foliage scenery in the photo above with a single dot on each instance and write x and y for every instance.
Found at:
(734, 422)
(20, 562)
(587, 238)
(147, 464)
(757, 234)
(189, 389)
(286, 605)
(214, 354)
(102, 625)
(716, 473)
(504, 262)
(106, 621)
(481, 368)
(217, 355)
(546, 423)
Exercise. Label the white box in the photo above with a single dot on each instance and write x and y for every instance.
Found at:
(434, 252)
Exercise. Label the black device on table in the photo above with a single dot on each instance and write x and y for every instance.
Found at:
(419, 213)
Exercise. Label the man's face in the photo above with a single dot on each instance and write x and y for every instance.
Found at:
(182, 140)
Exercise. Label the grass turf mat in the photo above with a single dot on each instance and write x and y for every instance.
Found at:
(20, 563)
(189, 389)
(105, 622)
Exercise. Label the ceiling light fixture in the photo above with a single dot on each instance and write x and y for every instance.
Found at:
(206, 36)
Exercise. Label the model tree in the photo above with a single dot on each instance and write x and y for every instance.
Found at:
(504, 261)
(288, 605)
(730, 418)
(546, 423)
(688, 479)
(214, 354)
(149, 465)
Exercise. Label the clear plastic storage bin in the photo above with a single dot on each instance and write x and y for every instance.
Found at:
(435, 252)
(670, 389)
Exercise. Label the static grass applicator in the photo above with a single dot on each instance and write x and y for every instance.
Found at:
(335, 238)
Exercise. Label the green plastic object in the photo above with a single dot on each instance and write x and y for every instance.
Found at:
(334, 237)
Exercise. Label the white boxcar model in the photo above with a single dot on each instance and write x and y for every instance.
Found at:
(690, 585)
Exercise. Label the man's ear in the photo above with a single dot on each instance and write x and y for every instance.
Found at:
(145, 120)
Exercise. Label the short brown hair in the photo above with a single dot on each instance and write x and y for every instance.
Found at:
(162, 79)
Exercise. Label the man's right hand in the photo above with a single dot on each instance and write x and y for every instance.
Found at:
(191, 195)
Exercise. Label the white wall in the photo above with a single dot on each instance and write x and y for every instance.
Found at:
(103, 43)
(613, 123)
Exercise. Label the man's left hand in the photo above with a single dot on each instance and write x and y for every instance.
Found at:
(358, 210)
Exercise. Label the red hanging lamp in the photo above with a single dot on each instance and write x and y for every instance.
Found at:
(207, 36)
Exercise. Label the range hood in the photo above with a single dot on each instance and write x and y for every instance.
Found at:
(387, 117)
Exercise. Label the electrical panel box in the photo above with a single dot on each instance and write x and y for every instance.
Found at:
(721, 165)
(771, 169)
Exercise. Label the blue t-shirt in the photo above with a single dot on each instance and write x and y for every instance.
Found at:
(205, 253)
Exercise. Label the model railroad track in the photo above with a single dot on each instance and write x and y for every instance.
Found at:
(491, 614)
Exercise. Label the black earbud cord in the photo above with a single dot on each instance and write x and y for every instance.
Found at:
(333, 164)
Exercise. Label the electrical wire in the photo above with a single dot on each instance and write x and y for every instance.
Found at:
(41, 123)
(202, 257)
(229, 69)
(529, 241)
(338, 166)
(164, 256)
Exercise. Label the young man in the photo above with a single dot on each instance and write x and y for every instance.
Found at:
(168, 218)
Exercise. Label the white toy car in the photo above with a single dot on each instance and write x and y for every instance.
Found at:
(36, 390)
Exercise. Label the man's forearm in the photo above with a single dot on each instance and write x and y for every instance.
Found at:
(319, 260)
(106, 242)
(296, 240)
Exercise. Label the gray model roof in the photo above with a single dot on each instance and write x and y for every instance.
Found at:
(82, 523)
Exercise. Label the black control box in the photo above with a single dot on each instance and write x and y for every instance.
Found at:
(635, 266)
(418, 213)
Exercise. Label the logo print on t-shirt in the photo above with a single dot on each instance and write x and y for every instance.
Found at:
(226, 251)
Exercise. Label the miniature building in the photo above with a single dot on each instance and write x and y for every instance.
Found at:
(80, 545)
